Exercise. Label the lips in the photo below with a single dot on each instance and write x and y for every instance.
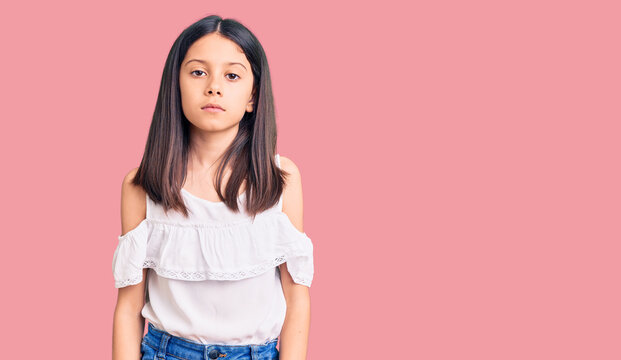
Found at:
(214, 106)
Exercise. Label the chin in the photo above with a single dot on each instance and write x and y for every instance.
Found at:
(214, 125)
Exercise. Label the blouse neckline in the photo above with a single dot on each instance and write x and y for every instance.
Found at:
(205, 200)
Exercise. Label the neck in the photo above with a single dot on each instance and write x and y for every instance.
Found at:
(206, 147)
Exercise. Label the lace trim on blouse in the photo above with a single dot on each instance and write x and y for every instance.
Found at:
(197, 252)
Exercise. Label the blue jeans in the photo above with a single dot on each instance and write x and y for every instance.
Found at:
(161, 345)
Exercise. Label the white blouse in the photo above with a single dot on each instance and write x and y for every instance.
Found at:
(213, 278)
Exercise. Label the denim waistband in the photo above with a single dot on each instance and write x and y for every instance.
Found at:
(164, 343)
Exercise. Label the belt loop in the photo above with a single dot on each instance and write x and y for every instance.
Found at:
(161, 352)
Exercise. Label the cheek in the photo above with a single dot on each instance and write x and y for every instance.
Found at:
(188, 95)
(187, 88)
(188, 103)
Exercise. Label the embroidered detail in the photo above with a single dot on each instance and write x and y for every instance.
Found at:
(210, 275)
(205, 275)
(127, 282)
(302, 281)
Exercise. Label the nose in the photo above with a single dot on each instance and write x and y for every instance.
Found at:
(213, 87)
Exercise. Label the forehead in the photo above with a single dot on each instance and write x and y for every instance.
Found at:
(216, 50)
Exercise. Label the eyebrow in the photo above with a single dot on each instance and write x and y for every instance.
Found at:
(205, 62)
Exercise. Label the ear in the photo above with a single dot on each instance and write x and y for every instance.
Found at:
(249, 105)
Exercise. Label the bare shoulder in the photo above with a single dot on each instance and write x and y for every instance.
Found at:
(133, 203)
(292, 194)
(290, 167)
(130, 175)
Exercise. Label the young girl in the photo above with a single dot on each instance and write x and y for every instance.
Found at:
(213, 253)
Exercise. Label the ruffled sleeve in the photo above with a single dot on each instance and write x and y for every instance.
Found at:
(299, 256)
(129, 256)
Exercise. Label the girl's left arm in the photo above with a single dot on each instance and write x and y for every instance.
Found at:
(296, 328)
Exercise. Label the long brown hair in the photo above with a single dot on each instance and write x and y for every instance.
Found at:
(163, 168)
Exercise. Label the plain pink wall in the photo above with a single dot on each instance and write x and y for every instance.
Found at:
(460, 163)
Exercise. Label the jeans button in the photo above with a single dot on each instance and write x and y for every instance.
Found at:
(213, 354)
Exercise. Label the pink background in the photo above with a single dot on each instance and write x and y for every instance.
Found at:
(460, 163)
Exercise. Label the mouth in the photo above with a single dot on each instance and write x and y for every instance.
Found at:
(212, 108)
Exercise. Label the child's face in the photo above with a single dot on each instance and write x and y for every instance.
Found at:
(230, 84)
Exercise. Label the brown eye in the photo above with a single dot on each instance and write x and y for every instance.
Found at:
(235, 75)
(197, 71)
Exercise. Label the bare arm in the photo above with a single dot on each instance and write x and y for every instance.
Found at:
(296, 328)
(128, 323)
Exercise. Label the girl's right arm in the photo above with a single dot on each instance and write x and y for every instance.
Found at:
(128, 323)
